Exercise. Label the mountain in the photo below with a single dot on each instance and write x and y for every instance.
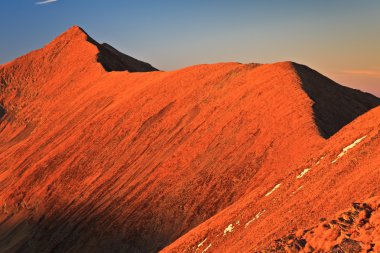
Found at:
(344, 170)
(99, 152)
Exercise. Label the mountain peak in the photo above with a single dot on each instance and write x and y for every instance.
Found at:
(75, 30)
(73, 33)
(76, 48)
(109, 57)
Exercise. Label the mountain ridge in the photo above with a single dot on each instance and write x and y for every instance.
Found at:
(97, 160)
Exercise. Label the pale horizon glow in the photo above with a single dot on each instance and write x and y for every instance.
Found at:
(363, 72)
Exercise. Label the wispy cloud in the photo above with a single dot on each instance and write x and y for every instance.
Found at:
(363, 72)
(46, 2)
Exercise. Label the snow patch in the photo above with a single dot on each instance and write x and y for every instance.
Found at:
(206, 248)
(319, 161)
(255, 218)
(303, 173)
(202, 242)
(346, 149)
(271, 191)
(228, 229)
(299, 188)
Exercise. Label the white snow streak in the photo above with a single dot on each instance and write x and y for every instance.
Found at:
(346, 149)
(299, 188)
(206, 248)
(228, 229)
(303, 173)
(201, 243)
(271, 191)
(255, 218)
(319, 161)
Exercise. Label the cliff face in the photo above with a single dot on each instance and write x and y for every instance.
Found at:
(97, 159)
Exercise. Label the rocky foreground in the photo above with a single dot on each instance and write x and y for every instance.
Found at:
(354, 230)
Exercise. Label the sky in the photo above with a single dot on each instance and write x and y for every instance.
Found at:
(339, 38)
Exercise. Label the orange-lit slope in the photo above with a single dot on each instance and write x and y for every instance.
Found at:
(346, 169)
(97, 160)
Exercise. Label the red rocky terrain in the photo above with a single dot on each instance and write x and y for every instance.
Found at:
(100, 152)
(354, 230)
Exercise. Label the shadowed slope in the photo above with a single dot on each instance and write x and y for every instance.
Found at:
(334, 105)
(2, 112)
(113, 60)
(92, 160)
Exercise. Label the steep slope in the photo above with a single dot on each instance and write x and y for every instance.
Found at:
(334, 105)
(98, 160)
(345, 169)
(27, 82)
(113, 60)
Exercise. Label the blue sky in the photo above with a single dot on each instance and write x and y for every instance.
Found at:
(340, 38)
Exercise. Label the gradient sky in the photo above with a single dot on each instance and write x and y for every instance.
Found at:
(339, 38)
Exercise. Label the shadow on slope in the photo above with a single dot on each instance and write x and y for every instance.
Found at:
(113, 60)
(69, 234)
(2, 112)
(334, 105)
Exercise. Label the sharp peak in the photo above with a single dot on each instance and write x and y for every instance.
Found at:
(109, 57)
(74, 33)
(292, 65)
(75, 29)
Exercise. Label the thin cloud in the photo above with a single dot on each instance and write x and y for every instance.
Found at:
(363, 72)
(46, 2)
